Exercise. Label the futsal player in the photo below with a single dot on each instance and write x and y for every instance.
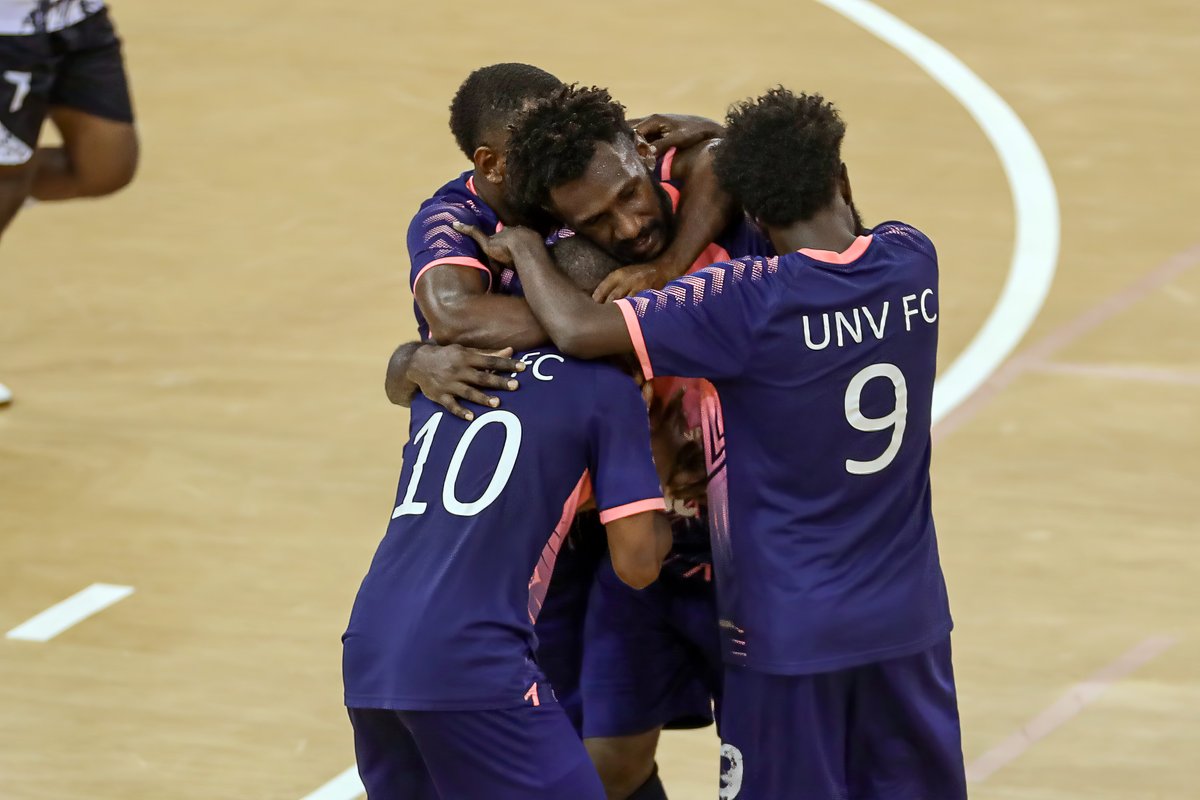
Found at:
(442, 682)
(834, 613)
(61, 60)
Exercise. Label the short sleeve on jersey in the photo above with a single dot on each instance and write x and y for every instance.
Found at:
(702, 325)
(621, 464)
(905, 235)
(432, 241)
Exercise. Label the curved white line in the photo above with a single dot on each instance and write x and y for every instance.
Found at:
(1035, 202)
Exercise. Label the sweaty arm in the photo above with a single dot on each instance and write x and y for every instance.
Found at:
(460, 310)
(577, 325)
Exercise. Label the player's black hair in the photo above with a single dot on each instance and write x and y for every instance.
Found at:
(490, 95)
(781, 155)
(553, 141)
(583, 262)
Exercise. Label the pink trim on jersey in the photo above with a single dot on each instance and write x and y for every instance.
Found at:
(847, 256)
(532, 694)
(539, 582)
(672, 193)
(629, 509)
(667, 161)
(635, 336)
(457, 261)
(471, 186)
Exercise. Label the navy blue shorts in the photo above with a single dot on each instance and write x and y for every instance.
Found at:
(883, 731)
(525, 753)
(652, 657)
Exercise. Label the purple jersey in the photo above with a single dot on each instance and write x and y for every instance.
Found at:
(444, 618)
(432, 240)
(818, 433)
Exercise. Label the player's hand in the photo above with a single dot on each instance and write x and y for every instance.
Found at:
(626, 281)
(499, 248)
(665, 131)
(449, 373)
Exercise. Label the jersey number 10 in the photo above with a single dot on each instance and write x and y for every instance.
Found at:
(504, 467)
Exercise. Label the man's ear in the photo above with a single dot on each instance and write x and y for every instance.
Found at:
(489, 163)
(645, 151)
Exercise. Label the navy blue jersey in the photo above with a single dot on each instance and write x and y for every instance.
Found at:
(444, 618)
(818, 433)
(432, 240)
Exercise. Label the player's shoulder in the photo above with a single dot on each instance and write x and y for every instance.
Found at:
(578, 386)
(901, 234)
(452, 202)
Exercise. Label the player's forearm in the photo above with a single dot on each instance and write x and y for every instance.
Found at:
(705, 209)
(487, 321)
(576, 324)
(399, 388)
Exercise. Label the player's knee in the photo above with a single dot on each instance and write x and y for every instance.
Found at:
(114, 171)
(623, 762)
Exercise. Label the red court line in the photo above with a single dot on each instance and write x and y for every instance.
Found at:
(1064, 335)
(1066, 707)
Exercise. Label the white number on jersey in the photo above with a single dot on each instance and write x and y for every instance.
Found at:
(500, 475)
(896, 420)
(21, 82)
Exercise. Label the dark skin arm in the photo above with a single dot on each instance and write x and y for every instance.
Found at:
(576, 324)
(638, 544)
(447, 374)
(461, 311)
(705, 209)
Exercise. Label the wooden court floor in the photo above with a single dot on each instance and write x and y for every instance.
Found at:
(198, 367)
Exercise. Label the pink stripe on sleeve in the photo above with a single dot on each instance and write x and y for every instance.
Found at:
(672, 193)
(635, 336)
(458, 261)
(629, 509)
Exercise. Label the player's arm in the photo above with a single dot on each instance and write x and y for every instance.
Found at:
(577, 325)
(625, 479)
(446, 374)
(637, 545)
(665, 131)
(705, 209)
(460, 310)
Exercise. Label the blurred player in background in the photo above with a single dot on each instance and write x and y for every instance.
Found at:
(61, 59)
(834, 615)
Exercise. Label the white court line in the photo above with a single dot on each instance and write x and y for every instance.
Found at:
(1035, 202)
(1035, 206)
(75, 609)
(1071, 703)
(346, 786)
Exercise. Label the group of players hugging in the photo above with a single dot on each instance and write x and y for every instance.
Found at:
(668, 465)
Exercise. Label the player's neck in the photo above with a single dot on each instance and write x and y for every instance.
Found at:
(826, 230)
(493, 195)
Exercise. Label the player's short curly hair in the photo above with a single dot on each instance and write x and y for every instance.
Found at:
(553, 142)
(781, 155)
(490, 96)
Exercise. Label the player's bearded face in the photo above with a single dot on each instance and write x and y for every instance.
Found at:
(617, 205)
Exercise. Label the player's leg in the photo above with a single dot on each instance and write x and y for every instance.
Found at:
(906, 740)
(27, 67)
(389, 761)
(92, 108)
(784, 736)
(526, 753)
(639, 675)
